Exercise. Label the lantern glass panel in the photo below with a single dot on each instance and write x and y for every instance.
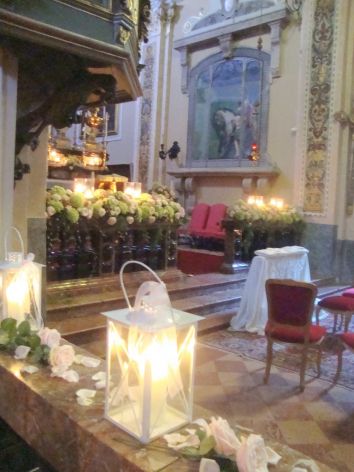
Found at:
(150, 378)
(20, 292)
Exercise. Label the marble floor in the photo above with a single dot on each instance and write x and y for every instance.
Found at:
(318, 422)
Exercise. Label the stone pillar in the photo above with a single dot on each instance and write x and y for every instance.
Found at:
(29, 199)
(8, 90)
(156, 92)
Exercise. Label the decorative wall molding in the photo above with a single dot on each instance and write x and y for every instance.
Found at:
(217, 30)
(319, 117)
(146, 112)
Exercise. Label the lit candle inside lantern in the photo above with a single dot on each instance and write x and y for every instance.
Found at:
(84, 186)
(259, 201)
(277, 203)
(133, 189)
(251, 200)
(17, 296)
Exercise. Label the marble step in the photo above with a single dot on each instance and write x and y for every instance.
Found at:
(65, 301)
(212, 306)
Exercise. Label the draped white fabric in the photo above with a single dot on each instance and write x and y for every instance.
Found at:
(290, 262)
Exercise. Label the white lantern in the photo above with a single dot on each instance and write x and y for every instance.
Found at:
(150, 363)
(21, 287)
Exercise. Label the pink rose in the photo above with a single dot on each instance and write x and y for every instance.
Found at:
(225, 438)
(49, 337)
(61, 358)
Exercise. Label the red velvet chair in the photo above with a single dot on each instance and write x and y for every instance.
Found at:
(213, 225)
(197, 221)
(348, 293)
(290, 307)
(199, 218)
(337, 305)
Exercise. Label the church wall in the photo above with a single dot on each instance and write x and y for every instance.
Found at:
(330, 231)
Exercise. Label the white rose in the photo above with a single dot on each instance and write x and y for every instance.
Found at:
(152, 219)
(252, 455)
(112, 220)
(90, 213)
(101, 212)
(225, 438)
(130, 220)
(50, 210)
(49, 337)
(61, 358)
(84, 211)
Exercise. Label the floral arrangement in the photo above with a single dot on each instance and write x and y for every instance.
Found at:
(116, 209)
(42, 346)
(163, 190)
(218, 447)
(268, 222)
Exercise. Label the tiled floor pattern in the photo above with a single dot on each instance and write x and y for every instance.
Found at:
(318, 422)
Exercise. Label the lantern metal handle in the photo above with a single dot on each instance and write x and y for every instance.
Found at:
(19, 237)
(122, 283)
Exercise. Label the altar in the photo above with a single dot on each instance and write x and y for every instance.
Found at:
(75, 438)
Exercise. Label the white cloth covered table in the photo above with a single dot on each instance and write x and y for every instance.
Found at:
(290, 262)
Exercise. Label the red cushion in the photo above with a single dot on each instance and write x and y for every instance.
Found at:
(337, 302)
(292, 334)
(349, 293)
(199, 217)
(216, 215)
(348, 338)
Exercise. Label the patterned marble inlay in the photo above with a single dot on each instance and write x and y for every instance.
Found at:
(146, 113)
(319, 106)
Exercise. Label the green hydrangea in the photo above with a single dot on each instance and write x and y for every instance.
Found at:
(72, 215)
(56, 204)
(77, 200)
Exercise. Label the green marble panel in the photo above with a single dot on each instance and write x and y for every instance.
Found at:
(65, 17)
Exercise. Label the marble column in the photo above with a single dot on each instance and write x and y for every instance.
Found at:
(8, 90)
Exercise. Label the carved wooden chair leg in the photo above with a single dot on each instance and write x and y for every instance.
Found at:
(269, 360)
(335, 320)
(303, 368)
(317, 312)
(347, 321)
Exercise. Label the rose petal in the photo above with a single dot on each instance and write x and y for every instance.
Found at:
(84, 401)
(85, 393)
(70, 376)
(100, 385)
(208, 465)
(99, 376)
(30, 369)
(22, 352)
(87, 361)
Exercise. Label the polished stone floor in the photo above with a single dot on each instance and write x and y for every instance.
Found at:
(318, 422)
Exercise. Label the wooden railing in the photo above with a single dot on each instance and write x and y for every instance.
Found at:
(86, 250)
